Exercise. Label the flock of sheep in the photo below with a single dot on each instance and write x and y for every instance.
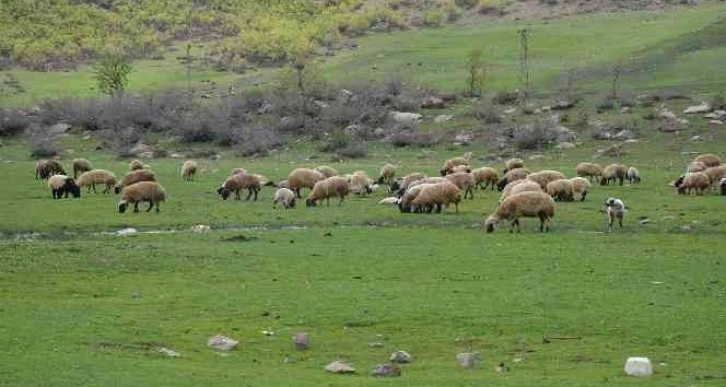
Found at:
(523, 193)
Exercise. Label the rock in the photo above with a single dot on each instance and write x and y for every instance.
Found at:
(387, 370)
(432, 102)
(645, 221)
(339, 367)
(716, 115)
(176, 156)
(320, 104)
(222, 343)
(702, 108)
(612, 151)
(715, 122)
(379, 132)
(142, 150)
(565, 135)
(602, 135)
(168, 352)
(665, 113)
(625, 110)
(468, 359)
(563, 104)
(632, 141)
(510, 111)
(201, 228)
(58, 128)
(406, 118)
(565, 145)
(624, 134)
(463, 138)
(378, 344)
(443, 118)
(536, 157)
(696, 138)
(638, 366)
(127, 231)
(401, 357)
(670, 125)
(301, 341)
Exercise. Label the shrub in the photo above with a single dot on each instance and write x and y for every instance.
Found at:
(412, 137)
(355, 150)
(534, 136)
(718, 101)
(41, 142)
(487, 113)
(121, 141)
(467, 4)
(12, 122)
(337, 140)
(505, 98)
(258, 140)
(433, 18)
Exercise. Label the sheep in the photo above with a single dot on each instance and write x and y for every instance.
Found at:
(327, 171)
(134, 177)
(696, 166)
(285, 196)
(512, 164)
(633, 175)
(520, 186)
(235, 183)
(360, 183)
(327, 188)
(404, 203)
(80, 166)
(524, 204)
(283, 184)
(135, 165)
(464, 181)
(404, 182)
(189, 169)
(589, 170)
(143, 191)
(461, 168)
(61, 185)
(386, 174)
(722, 184)
(486, 175)
(715, 174)
(512, 175)
(544, 177)
(612, 173)
(561, 190)
(615, 209)
(708, 159)
(303, 178)
(449, 164)
(97, 176)
(47, 168)
(697, 181)
(437, 195)
(580, 185)
(425, 180)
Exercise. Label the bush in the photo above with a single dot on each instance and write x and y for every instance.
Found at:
(336, 141)
(505, 98)
(433, 18)
(487, 113)
(121, 141)
(718, 102)
(12, 122)
(412, 137)
(353, 151)
(41, 142)
(258, 140)
(466, 4)
(534, 136)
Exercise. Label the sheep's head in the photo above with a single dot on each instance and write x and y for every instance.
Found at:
(444, 172)
(292, 203)
(679, 181)
(73, 188)
(380, 179)
(310, 203)
(501, 184)
(368, 189)
(395, 186)
(224, 192)
(490, 223)
(122, 207)
(116, 190)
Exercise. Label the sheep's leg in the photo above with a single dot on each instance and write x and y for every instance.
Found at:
(620, 220)
(151, 205)
(237, 195)
(256, 192)
(157, 207)
(136, 206)
(584, 193)
(456, 205)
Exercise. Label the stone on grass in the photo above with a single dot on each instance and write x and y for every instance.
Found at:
(387, 370)
(126, 231)
(201, 228)
(301, 341)
(401, 357)
(468, 359)
(443, 118)
(222, 343)
(168, 352)
(339, 367)
(376, 344)
(702, 108)
(638, 366)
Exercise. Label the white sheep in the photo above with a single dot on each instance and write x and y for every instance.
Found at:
(327, 188)
(633, 175)
(615, 209)
(143, 191)
(97, 176)
(386, 174)
(436, 196)
(61, 185)
(189, 169)
(524, 204)
(285, 196)
(580, 185)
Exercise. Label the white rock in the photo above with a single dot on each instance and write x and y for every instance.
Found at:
(401, 357)
(222, 343)
(702, 108)
(468, 360)
(127, 231)
(716, 122)
(169, 352)
(638, 366)
(510, 111)
(406, 118)
(339, 367)
(565, 145)
(201, 228)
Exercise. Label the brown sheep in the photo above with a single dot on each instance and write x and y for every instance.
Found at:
(449, 164)
(189, 169)
(524, 204)
(79, 166)
(327, 188)
(696, 166)
(484, 177)
(512, 175)
(327, 171)
(237, 182)
(303, 178)
(613, 172)
(519, 186)
(589, 170)
(404, 203)
(143, 191)
(697, 181)
(561, 190)
(512, 164)
(135, 165)
(545, 177)
(465, 181)
(97, 176)
(436, 196)
(360, 183)
(715, 174)
(47, 168)
(708, 159)
(580, 185)
(134, 177)
(386, 174)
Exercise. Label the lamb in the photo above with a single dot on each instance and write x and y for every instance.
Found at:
(512, 164)
(235, 183)
(519, 186)
(135, 165)
(326, 171)
(61, 185)
(697, 181)
(404, 203)
(360, 183)
(449, 164)
(633, 175)
(561, 190)
(708, 159)
(696, 166)
(437, 195)
(612, 173)
(134, 177)
(524, 204)
(589, 170)
(97, 176)
(189, 169)
(386, 174)
(464, 181)
(303, 178)
(715, 174)
(486, 175)
(286, 197)
(544, 177)
(327, 188)
(580, 185)
(615, 210)
(80, 166)
(512, 175)
(47, 168)
(143, 191)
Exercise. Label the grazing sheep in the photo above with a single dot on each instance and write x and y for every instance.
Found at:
(589, 170)
(401, 184)
(425, 180)
(464, 181)
(524, 204)
(449, 164)
(97, 176)
(461, 168)
(615, 209)
(545, 177)
(235, 183)
(519, 186)
(696, 166)
(512, 175)
(708, 159)
(327, 188)
(386, 174)
(303, 178)
(561, 190)
(633, 175)
(327, 171)
(512, 164)
(697, 181)
(189, 169)
(436, 196)
(612, 173)
(580, 185)
(715, 174)
(360, 183)
(61, 185)
(47, 168)
(80, 166)
(286, 197)
(486, 176)
(134, 177)
(135, 165)
(143, 191)
(404, 203)
(722, 184)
